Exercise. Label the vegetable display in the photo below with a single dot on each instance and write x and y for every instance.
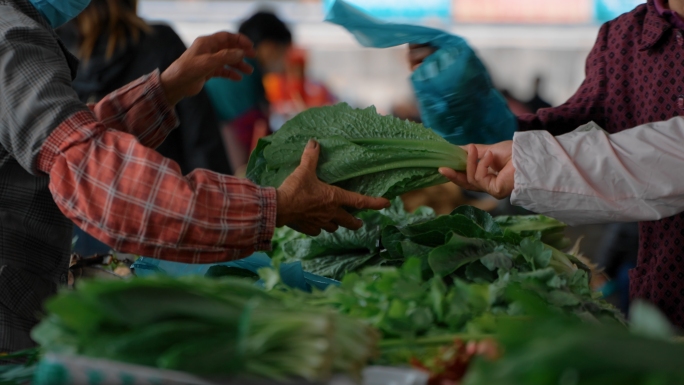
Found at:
(204, 326)
(361, 151)
(551, 349)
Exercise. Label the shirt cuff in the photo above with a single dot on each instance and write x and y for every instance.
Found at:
(158, 98)
(268, 211)
(527, 164)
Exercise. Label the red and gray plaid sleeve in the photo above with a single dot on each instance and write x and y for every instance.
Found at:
(133, 199)
(128, 109)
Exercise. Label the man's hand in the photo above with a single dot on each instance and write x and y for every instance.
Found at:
(418, 53)
(219, 55)
(308, 205)
(489, 169)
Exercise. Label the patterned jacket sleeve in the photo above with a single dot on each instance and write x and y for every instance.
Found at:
(105, 180)
(127, 110)
(585, 105)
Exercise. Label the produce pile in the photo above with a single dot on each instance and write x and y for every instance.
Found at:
(421, 274)
(205, 326)
(470, 298)
(361, 151)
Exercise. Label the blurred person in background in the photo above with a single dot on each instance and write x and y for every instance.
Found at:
(292, 91)
(632, 79)
(242, 106)
(115, 47)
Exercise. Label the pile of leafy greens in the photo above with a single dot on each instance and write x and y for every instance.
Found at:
(205, 326)
(424, 280)
(464, 242)
(361, 151)
(549, 348)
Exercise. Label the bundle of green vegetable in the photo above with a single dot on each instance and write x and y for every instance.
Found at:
(204, 326)
(361, 151)
(552, 349)
(18, 368)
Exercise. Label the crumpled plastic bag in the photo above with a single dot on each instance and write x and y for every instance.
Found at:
(291, 274)
(454, 91)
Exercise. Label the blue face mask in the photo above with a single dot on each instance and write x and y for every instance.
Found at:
(58, 12)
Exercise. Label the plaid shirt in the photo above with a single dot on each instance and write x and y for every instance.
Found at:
(97, 166)
(106, 178)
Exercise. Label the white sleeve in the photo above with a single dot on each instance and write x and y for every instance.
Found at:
(589, 176)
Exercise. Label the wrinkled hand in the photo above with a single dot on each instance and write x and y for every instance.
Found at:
(418, 53)
(219, 55)
(308, 205)
(489, 169)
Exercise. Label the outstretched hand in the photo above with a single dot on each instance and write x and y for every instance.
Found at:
(309, 205)
(489, 169)
(418, 53)
(219, 55)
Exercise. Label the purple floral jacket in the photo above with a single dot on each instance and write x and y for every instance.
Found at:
(634, 75)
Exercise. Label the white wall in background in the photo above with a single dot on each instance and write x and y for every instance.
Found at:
(515, 55)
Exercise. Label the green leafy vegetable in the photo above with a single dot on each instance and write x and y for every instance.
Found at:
(554, 349)
(361, 151)
(204, 326)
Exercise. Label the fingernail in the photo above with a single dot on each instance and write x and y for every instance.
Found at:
(312, 144)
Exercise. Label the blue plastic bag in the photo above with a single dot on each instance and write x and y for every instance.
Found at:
(454, 91)
(291, 274)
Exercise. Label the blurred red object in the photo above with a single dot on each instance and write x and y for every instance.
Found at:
(292, 92)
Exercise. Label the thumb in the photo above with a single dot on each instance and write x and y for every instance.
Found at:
(310, 156)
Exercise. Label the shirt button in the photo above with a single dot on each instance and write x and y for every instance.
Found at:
(680, 102)
(680, 38)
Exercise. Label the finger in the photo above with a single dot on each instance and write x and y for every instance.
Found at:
(347, 220)
(307, 229)
(458, 178)
(228, 57)
(483, 167)
(330, 227)
(471, 164)
(417, 55)
(226, 40)
(361, 202)
(227, 73)
(310, 156)
(243, 67)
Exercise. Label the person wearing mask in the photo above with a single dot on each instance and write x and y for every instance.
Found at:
(64, 162)
(632, 79)
(115, 47)
(242, 106)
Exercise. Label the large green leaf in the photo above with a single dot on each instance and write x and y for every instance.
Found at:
(361, 151)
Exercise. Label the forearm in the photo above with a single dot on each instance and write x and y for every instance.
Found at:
(136, 201)
(593, 177)
(140, 109)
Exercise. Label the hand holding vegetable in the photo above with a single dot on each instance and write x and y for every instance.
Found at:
(217, 55)
(308, 205)
(419, 52)
(489, 169)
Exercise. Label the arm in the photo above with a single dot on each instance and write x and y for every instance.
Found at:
(128, 195)
(127, 110)
(585, 176)
(592, 177)
(585, 105)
